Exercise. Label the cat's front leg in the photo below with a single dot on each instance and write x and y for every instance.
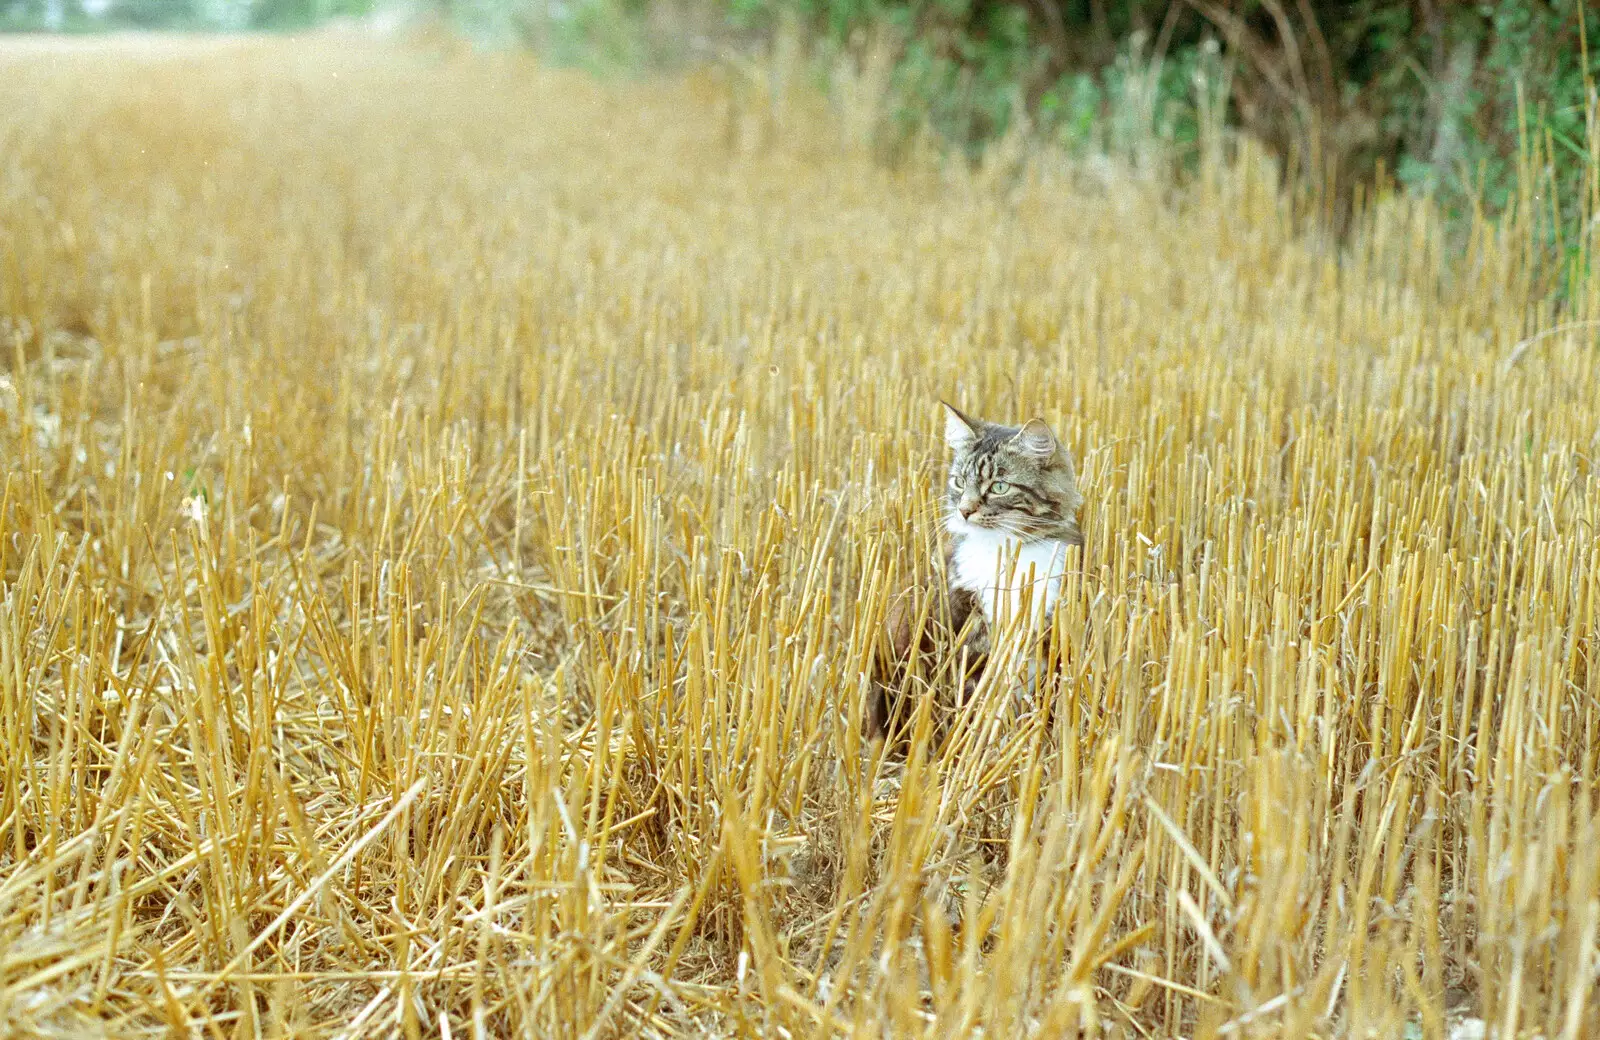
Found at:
(972, 649)
(903, 640)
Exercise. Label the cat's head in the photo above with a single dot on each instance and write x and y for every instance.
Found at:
(1015, 480)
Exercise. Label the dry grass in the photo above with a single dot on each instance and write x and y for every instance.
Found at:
(449, 506)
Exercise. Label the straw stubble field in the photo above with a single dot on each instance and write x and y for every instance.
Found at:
(450, 506)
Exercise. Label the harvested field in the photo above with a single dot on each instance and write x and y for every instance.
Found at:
(450, 505)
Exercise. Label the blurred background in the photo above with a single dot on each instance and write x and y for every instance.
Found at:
(1445, 98)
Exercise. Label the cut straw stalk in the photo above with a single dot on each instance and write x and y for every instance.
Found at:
(395, 432)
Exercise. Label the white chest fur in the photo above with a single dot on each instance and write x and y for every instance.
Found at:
(1000, 569)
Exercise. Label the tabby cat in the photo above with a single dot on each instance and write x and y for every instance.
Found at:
(1011, 511)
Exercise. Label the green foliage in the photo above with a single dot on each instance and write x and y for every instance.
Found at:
(1502, 115)
(72, 15)
(1447, 97)
(602, 36)
(65, 16)
(156, 14)
(283, 14)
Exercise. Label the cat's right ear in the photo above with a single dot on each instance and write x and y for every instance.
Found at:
(959, 431)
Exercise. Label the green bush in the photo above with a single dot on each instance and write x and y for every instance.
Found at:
(1447, 98)
(199, 15)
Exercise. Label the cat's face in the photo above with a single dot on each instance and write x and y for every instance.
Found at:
(1010, 480)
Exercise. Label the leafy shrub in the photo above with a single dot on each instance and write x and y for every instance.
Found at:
(1447, 98)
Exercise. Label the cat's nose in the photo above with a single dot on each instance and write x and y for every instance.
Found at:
(967, 509)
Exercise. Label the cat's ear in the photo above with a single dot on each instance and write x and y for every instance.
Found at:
(1036, 440)
(959, 431)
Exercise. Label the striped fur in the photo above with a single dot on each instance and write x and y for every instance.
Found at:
(1011, 509)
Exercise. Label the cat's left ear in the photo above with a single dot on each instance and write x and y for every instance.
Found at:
(1037, 440)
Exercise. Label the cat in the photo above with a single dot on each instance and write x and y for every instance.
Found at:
(1011, 510)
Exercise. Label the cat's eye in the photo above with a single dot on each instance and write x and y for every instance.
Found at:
(955, 480)
(999, 487)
